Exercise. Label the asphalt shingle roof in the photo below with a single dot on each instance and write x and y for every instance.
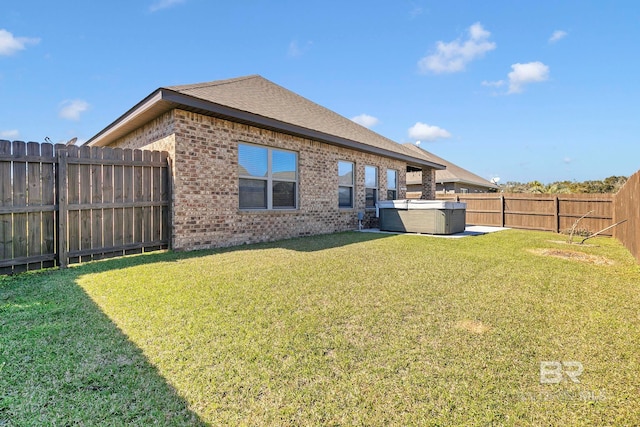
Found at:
(257, 101)
(257, 95)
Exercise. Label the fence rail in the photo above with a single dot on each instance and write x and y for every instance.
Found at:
(62, 205)
(537, 212)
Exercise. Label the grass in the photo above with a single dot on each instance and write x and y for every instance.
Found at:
(344, 329)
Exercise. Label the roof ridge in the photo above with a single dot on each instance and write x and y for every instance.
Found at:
(213, 83)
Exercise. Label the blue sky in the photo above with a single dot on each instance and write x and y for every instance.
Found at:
(521, 90)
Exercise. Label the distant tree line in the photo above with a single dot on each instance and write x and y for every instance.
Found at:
(608, 185)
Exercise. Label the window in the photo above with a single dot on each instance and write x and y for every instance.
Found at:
(345, 184)
(392, 184)
(268, 178)
(371, 186)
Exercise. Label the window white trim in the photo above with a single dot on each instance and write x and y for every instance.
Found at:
(393, 188)
(368, 170)
(351, 186)
(269, 179)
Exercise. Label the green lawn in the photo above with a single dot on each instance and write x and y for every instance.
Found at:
(344, 329)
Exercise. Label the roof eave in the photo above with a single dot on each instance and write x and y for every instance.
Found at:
(150, 107)
(463, 181)
(163, 100)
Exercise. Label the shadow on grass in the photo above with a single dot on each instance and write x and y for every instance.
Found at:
(64, 362)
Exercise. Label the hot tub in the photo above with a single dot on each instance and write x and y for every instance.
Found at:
(422, 216)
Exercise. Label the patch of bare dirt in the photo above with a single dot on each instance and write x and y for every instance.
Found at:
(473, 326)
(574, 256)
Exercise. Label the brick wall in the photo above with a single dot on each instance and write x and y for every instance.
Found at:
(154, 134)
(205, 208)
(428, 184)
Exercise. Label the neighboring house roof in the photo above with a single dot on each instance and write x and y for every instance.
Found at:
(256, 101)
(453, 172)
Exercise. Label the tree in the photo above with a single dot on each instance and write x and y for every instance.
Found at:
(608, 185)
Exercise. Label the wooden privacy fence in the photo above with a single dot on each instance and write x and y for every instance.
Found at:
(553, 212)
(627, 206)
(61, 205)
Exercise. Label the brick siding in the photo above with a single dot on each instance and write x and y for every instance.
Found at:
(205, 206)
(428, 184)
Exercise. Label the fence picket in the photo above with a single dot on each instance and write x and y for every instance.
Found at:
(123, 221)
(48, 199)
(20, 232)
(73, 199)
(156, 196)
(6, 200)
(85, 198)
(96, 200)
(147, 184)
(34, 199)
(165, 184)
(63, 200)
(108, 226)
(137, 197)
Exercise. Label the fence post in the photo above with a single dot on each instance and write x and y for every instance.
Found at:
(556, 206)
(502, 221)
(169, 220)
(62, 208)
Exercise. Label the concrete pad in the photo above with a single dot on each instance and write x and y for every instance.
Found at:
(470, 230)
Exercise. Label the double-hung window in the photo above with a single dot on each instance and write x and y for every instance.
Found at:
(346, 181)
(392, 184)
(268, 178)
(371, 186)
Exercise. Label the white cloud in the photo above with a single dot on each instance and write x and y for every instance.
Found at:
(164, 4)
(10, 44)
(567, 160)
(523, 74)
(71, 109)
(365, 120)
(454, 56)
(295, 50)
(13, 133)
(557, 35)
(425, 132)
